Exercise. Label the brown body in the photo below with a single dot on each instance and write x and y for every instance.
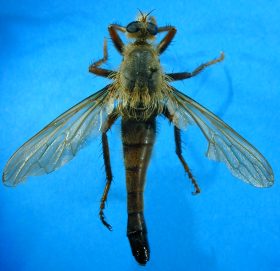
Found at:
(140, 83)
(140, 88)
(140, 91)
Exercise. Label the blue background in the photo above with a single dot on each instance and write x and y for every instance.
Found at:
(51, 222)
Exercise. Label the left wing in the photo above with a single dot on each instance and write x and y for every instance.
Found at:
(59, 141)
(224, 144)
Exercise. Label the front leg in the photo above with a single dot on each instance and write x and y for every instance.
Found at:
(164, 43)
(115, 37)
(94, 68)
(186, 75)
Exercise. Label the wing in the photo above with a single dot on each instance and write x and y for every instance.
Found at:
(59, 141)
(225, 145)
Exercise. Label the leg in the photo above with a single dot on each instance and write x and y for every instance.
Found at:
(171, 31)
(106, 156)
(177, 136)
(115, 37)
(186, 75)
(99, 71)
(178, 142)
(109, 177)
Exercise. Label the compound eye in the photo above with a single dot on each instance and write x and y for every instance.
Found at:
(152, 29)
(133, 27)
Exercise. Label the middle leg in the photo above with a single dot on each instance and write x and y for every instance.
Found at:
(186, 75)
(94, 68)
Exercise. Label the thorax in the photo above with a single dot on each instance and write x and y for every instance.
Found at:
(140, 83)
(140, 68)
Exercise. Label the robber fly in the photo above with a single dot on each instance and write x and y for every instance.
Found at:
(139, 92)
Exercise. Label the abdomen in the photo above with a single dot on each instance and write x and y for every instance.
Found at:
(138, 140)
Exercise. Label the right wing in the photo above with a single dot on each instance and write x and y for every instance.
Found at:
(224, 144)
(59, 141)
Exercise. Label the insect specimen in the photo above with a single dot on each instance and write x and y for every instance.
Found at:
(139, 92)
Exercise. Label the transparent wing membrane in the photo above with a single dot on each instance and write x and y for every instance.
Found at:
(59, 141)
(224, 144)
